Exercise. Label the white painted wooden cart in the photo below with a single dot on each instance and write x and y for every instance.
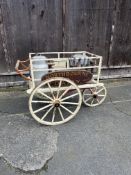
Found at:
(59, 82)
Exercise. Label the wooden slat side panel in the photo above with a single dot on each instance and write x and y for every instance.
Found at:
(88, 26)
(121, 45)
(46, 25)
(16, 32)
(4, 56)
(3, 65)
(31, 26)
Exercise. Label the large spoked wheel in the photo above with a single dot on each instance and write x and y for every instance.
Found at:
(61, 101)
(94, 96)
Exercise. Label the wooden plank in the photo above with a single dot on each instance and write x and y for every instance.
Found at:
(121, 44)
(46, 25)
(4, 67)
(31, 26)
(13, 38)
(88, 26)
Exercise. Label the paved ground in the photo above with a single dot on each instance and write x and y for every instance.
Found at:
(96, 142)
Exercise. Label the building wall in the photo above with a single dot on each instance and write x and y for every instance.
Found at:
(99, 26)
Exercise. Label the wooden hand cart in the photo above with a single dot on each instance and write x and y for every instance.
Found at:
(59, 82)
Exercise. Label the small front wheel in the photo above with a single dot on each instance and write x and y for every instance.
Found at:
(94, 96)
(60, 101)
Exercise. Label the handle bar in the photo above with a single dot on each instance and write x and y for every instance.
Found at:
(22, 71)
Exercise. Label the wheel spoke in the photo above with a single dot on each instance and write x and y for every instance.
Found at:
(53, 118)
(65, 91)
(66, 109)
(61, 114)
(100, 91)
(88, 99)
(51, 90)
(59, 89)
(70, 103)
(98, 100)
(100, 95)
(36, 101)
(42, 93)
(88, 94)
(42, 108)
(92, 101)
(69, 97)
(92, 90)
(47, 112)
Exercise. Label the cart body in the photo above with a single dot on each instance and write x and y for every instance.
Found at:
(59, 81)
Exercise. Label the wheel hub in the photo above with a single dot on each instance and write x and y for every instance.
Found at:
(56, 103)
(94, 95)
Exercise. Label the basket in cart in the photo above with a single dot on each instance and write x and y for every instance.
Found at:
(59, 82)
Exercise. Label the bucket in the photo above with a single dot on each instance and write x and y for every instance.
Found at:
(39, 62)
